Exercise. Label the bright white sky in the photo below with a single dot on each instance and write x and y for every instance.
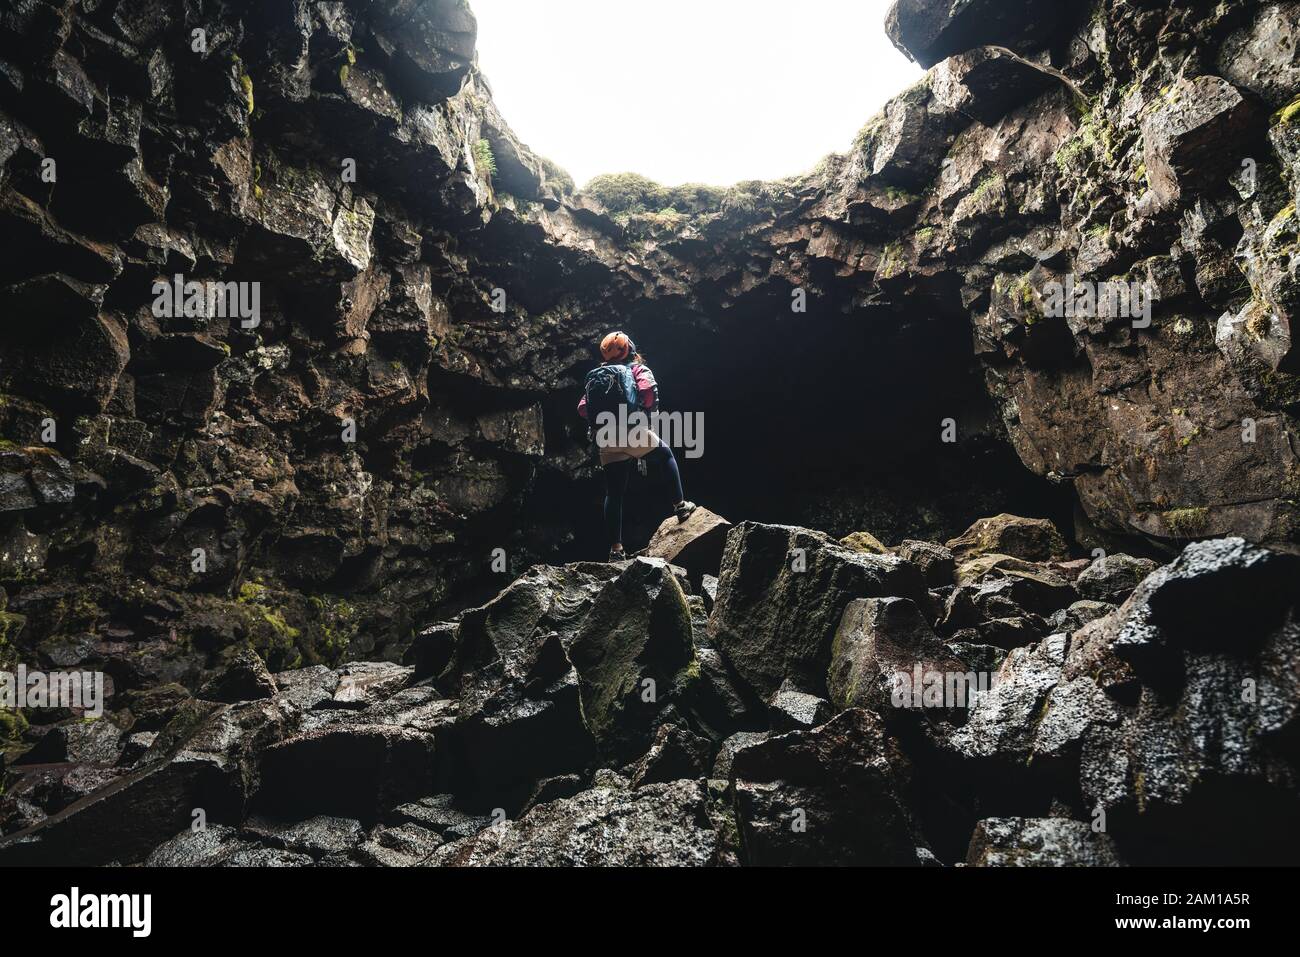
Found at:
(713, 91)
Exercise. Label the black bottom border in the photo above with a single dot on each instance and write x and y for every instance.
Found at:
(210, 907)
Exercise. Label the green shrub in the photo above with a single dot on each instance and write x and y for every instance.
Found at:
(484, 160)
(626, 192)
(557, 176)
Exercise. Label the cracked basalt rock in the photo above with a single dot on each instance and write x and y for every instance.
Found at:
(1152, 717)
(1043, 842)
(659, 825)
(1122, 143)
(793, 803)
(781, 593)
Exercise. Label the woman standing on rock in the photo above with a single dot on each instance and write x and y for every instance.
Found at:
(618, 396)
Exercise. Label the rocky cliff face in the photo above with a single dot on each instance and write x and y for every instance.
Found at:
(322, 481)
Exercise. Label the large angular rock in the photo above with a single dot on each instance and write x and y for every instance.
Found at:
(1224, 595)
(566, 662)
(780, 598)
(989, 82)
(211, 846)
(306, 226)
(878, 646)
(1032, 716)
(133, 813)
(1112, 578)
(358, 771)
(674, 754)
(695, 545)
(431, 44)
(935, 561)
(1029, 539)
(1183, 138)
(897, 144)
(932, 30)
(633, 651)
(243, 678)
(836, 795)
(659, 825)
(440, 815)
(794, 710)
(730, 747)
(62, 349)
(432, 650)
(520, 713)
(403, 846)
(83, 742)
(717, 699)
(1213, 638)
(1092, 655)
(864, 542)
(1039, 842)
(507, 629)
(322, 836)
(1017, 591)
(1261, 57)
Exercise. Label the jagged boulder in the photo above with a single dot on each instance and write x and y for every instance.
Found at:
(1092, 654)
(658, 825)
(987, 83)
(780, 597)
(244, 678)
(1028, 539)
(932, 30)
(1261, 55)
(935, 561)
(1031, 717)
(1182, 137)
(864, 542)
(837, 794)
(1213, 638)
(633, 653)
(730, 747)
(674, 754)
(1224, 595)
(431, 44)
(439, 815)
(695, 545)
(564, 664)
(212, 846)
(1112, 578)
(205, 758)
(717, 699)
(793, 710)
(520, 711)
(432, 649)
(880, 644)
(1039, 842)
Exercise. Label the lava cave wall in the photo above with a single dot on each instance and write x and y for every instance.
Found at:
(447, 301)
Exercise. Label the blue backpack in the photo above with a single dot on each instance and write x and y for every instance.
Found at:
(607, 388)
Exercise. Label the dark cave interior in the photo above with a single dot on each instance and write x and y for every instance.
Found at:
(830, 419)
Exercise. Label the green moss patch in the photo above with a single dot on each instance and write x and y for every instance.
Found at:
(1187, 522)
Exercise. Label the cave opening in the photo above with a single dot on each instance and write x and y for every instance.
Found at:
(832, 419)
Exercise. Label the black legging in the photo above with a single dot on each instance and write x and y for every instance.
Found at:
(616, 476)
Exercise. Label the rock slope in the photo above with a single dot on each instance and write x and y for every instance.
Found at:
(1064, 712)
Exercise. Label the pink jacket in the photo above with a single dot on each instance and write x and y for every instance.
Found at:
(645, 387)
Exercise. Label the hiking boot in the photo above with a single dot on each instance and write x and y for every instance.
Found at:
(683, 511)
(617, 555)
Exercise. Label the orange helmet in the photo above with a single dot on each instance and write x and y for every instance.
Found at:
(616, 347)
